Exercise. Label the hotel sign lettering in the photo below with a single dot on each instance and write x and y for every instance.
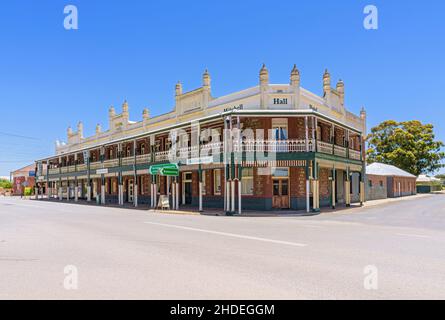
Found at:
(240, 107)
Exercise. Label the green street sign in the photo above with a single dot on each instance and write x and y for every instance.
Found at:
(155, 169)
(169, 172)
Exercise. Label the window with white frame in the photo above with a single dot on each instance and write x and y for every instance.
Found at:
(217, 188)
(279, 129)
(247, 182)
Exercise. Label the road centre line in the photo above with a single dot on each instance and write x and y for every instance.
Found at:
(232, 235)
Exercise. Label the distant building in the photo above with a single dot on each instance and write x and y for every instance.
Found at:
(23, 178)
(387, 181)
(426, 184)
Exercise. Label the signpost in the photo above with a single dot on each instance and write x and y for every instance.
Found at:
(165, 170)
(169, 168)
(169, 172)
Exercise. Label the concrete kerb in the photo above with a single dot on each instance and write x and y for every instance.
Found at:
(287, 213)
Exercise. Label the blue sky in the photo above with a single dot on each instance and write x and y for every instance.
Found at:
(51, 78)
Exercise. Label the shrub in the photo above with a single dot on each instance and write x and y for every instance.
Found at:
(28, 191)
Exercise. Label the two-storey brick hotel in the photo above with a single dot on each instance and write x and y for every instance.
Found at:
(271, 146)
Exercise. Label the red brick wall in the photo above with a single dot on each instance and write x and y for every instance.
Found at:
(404, 185)
(325, 188)
(339, 136)
(263, 182)
(376, 179)
(325, 132)
(297, 182)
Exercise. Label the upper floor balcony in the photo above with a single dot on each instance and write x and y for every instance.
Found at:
(217, 148)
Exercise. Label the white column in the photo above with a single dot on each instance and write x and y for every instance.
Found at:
(315, 195)
(239, 197)
(200, 196)
(232, 194)
(362, 193)
(60, 193)
(88, 193)
(333, 193)
(135, 195)
(173, 196)
(177, 195)
(227, 196)
(102, 194)
(155, 194)
(151, 195)
(121, 195)
(347, 193)
(76, 195)
(308, 196)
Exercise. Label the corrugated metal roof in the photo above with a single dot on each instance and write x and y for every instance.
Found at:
(425, 178)
(381, 169)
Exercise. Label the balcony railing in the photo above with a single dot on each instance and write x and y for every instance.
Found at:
(111, 163)
(128, 161)
(324, 147)
(161, 156)
(273, 146)
(355, 155)
(340, 151)
(95, 165)
(144, 158)
(54, 171)
(210, 149)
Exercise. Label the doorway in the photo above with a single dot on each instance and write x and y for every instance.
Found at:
(280, 199)
(130, 194)
(187, 188)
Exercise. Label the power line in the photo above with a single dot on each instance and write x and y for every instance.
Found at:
(18, 136)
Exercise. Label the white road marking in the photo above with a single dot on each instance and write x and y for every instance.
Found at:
(413, 235)
(233, 235)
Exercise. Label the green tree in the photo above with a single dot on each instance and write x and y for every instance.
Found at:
(5, 184)
(409, 145)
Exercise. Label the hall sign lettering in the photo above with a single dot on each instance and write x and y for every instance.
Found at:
(280, 101)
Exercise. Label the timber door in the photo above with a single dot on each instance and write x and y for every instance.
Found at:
(280, 199)
(187, 188)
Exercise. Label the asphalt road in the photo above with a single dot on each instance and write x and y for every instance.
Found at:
(131, 254)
